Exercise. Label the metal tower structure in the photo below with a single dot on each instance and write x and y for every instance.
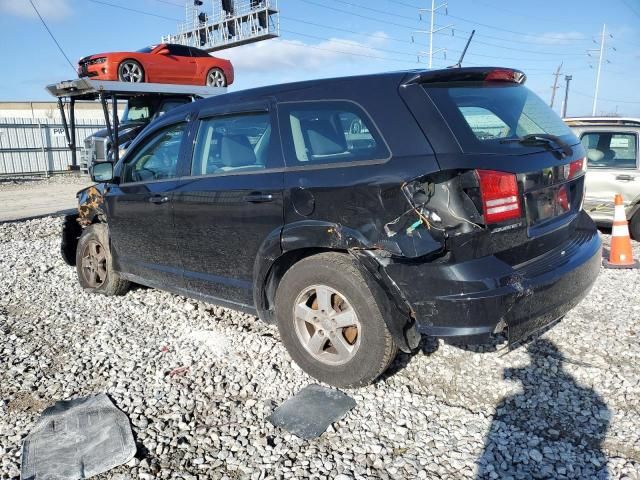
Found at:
(432, 29)
(600, 52)
(223, 24)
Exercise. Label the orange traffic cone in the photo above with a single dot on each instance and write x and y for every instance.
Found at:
(621, 255)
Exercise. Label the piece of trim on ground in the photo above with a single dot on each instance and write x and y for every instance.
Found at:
(76, 439)
(310, 411)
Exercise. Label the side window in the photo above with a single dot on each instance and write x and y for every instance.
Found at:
(330, 132)
(233, 143)
(157, 159)
(610, 150)
(179, 50)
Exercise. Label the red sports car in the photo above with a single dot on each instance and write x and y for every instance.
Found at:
(164, 63)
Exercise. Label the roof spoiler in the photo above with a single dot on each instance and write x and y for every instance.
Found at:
(467, 74)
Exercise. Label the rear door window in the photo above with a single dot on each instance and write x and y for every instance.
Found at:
(610, 149)
(232, 144)
(328, 132)
(482, 116)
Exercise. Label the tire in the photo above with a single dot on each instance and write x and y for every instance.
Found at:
(130, 71)
(634, 226)
(94, 264)
(335, 278)
(215, 78)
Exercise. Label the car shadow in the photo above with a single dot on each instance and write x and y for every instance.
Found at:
(553, 427)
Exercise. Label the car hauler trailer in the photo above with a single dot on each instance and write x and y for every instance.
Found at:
(83, 89)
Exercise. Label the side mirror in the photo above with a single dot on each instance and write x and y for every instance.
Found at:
(102, 172)
(163, 51)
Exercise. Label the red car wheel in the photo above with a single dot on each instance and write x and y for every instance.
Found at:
(216, 78)
(130, 71)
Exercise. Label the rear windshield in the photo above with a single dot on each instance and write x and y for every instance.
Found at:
(482, 116)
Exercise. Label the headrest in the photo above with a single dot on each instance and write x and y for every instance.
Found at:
(236, 151)
(594, 155)
(323, 138)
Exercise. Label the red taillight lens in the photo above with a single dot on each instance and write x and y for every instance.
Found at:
(577, 167)
(505, 75)
(500, 196)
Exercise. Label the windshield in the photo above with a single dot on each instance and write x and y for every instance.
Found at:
(147, 49)
(481, 115)
(137, 113)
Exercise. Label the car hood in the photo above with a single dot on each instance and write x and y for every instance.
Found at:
(105, 54)
(126, 131)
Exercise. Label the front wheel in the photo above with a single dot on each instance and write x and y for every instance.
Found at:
(130, 71)
(216, 78)
(330, 323)
(94, 263)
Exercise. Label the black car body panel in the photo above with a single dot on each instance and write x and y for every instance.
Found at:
(442, 269)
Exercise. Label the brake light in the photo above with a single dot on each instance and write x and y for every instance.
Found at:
(500, 196)
(505, 75)
(577, 167)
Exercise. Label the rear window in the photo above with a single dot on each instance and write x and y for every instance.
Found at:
(483, 115)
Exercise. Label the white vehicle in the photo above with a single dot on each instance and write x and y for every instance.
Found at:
(613, 166)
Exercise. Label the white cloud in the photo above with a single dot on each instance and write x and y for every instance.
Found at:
(560, 38)
(279, 54)
(49, 9)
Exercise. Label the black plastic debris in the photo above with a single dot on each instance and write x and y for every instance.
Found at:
(77, 439)
(309, 412)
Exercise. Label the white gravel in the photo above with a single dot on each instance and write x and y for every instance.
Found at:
(198, 383)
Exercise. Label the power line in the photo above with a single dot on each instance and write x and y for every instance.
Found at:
(52, 36)
(331, 27)
(142, 12)
(582, 94)
(397, 52)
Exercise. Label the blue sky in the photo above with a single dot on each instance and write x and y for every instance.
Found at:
(321, 38)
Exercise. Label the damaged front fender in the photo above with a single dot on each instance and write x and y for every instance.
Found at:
(90, 204)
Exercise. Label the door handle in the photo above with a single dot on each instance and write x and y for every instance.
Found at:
(158, 199)
(259, 197)
(625, 177)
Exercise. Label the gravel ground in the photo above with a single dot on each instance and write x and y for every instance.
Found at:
(198, 383)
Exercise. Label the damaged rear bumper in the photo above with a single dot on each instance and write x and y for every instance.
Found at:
(477, 298)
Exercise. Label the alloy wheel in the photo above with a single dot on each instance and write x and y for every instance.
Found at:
(327, 325)
(94, 264)
(215, 78)
(131, 72)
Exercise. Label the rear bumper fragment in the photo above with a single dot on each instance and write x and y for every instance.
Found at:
(481, 297)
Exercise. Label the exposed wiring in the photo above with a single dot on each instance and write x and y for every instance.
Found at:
(453, 214)
(52, 36)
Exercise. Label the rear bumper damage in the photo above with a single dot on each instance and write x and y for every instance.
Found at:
(475, 299)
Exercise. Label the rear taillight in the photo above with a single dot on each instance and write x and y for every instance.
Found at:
(500, 196)
(577, 167)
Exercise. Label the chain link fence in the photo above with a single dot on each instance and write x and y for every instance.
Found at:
(39, 146)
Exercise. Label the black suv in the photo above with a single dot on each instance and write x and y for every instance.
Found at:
(358, 213)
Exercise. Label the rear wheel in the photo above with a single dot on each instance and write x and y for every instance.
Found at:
(216, 78)
(94, 263)
(130, 71)
(634, 226)
(330, 324)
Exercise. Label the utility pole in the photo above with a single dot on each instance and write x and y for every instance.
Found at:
(432, 29)
(600, 58)
(567, 79)
(555, 84)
